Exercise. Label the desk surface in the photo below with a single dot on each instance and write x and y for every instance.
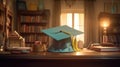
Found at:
(83, 54)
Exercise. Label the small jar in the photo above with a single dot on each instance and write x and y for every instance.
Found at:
(37, 47)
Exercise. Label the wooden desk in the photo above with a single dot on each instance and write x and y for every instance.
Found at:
(85, 58)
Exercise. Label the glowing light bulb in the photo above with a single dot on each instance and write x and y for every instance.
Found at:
(105, 24)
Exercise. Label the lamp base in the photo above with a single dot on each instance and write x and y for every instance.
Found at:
(105, 39)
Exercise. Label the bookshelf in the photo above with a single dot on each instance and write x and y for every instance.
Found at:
(9, 22)
(113, 30)
(30, 25)
(6, 20)
(2, 15)
(2, 26)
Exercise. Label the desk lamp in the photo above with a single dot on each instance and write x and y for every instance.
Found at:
(105, 26)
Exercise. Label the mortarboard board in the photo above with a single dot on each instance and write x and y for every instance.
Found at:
(62, 38)
(61, 32)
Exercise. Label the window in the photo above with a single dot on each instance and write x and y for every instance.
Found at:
(74, 20)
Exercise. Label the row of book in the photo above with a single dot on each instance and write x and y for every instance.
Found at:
(1, 20)
(27, 28)
(36, 19)
(32, 44)
(115, 30)
(29, 44)
(33, 38)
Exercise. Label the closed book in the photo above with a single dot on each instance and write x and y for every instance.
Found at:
(101, 48)
(19, 49)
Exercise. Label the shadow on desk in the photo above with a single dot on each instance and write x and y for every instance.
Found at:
(85, 58)
(60, 63)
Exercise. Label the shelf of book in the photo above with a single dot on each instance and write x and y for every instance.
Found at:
(113, 30)
(2, 15)
(30, 25)
(34, 23)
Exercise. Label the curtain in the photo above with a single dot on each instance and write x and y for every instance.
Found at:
(56, 13)
(89, 11)
(55, 16)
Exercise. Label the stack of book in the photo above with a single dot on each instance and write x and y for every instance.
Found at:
(18, 50)
(105, 47)
(16, 40)
(102, 48)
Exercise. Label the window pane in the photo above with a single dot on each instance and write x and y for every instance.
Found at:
(79, 24)
(69, 19)
(76, 21)
(81, 18)
(63, 19)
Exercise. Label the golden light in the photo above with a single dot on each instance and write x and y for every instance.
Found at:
(78, 53)
(105, 24)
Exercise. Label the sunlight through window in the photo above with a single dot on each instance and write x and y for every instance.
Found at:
(74, 20)
(69, 19)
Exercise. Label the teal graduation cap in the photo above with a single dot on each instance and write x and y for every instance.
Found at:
(61, 38)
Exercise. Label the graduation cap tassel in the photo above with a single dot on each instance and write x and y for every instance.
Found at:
(75, 43)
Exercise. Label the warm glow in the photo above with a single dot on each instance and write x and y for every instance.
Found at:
(79, 53)
(77, 21)
(69, 19)
(74, 20)
(105, 24)
(79, 25)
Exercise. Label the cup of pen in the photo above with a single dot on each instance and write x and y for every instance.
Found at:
(39, 47)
